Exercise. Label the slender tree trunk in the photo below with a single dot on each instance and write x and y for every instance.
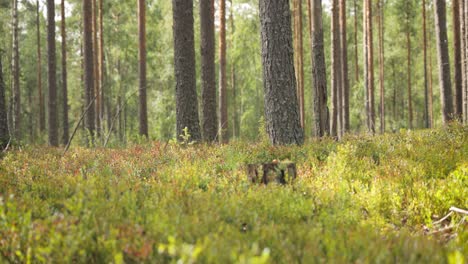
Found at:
(299, 56)
(426, 83)
(369, 66)
(223, 109)
(235, 122)
(4, 132)
(143, 112)
(458, 103)
(335, 126)
(464, 7)
(184, 66)
(344, 69)
(408, 71)
(101, 65)
(463, 76)
(39, 71)
(394, 99)
(431, 93)
(64, 76)
(96, 69)
(319, 73)
(356, 53)
(52, 71)
(16, 75)
(208, 73)
(281, 107)
(88, 59)
(381, 66)
(444, 61)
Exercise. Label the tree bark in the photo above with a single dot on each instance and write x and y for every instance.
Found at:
(465, 62)
(463, 54)
(344, 69)
(65, 137)
(184, 66)
(208, 73)
(443, 61)
(281, 107)
(4, 132)
(458, 103)
(336, 96)
(299, 56)
(101, 65)
(142, 107)
(319, 73)
(408, 71)
(235, 121)
(381, 66)
(88, 59)
(16, 75)
(356, 53)
(427, 121)
(97, 78)
(369, 66)
(223, 108)
(52, 71)
(39, 71)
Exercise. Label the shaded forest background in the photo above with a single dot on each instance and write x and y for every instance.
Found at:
(401, 19)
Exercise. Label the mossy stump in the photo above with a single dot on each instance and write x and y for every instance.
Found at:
(265, 173)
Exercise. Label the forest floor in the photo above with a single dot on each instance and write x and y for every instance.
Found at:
(364, 199)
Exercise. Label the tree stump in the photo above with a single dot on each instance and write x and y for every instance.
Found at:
(279, 172)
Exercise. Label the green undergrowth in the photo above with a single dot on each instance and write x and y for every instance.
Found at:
(364, 199)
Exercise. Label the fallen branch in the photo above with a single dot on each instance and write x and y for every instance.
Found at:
(458, 210)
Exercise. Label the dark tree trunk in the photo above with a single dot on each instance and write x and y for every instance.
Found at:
(223, 108)
(464, 21)
(427, 122)
(356, 53)
(458, 103)
(39, 71)
(281, 107)
(319, 73)
(344, 69)
(4, 133)
(335, 126)
(143, 112)
(101, 70)
(443, 60)
(184, 66)
(208, 74)
(408, 71)
(64, 76)
(16, 75)
(52, 71)
(89, 67)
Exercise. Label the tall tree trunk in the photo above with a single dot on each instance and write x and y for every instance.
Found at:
(430, 92)
(235, 121)
(89, 67)
(335, 126)
(427, 122)
(96, 69)
(39, 71)
(208, 73)
(299, 56)
(16, 75)
(369, 66)
(52, 71)
(223, 109)
(184, 66)
(408, 71)
(463, 76)
(443, 60)
(143, 112)
(4, 132)
(64, 76)
(381, 66)
(319, 73)
(344, 69)
(458, 103)
(356, 53)
(101, 59)
(281, 107)
(464, 7)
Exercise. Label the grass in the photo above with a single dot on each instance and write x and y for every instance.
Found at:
(365, 199)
